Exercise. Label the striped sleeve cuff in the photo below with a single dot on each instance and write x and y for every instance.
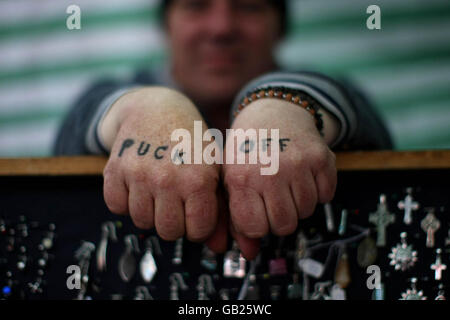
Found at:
(326, 91)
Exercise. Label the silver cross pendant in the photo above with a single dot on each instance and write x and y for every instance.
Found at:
(408, 205)
(381, 218)
(438, 266)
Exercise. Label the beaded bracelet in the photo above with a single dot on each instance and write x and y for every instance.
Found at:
(291, 95)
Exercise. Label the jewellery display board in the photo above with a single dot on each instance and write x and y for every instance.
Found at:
(386, 235)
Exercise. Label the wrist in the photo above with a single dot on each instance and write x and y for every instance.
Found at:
(278, 113)
(154, 102)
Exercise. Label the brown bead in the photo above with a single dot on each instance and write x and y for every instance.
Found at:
(288, 97)
(262, 94)
(279, 94)
(305, 103)
(271, 93)
(246, 101)
(240, 107)
(254, 96)
(296, 99)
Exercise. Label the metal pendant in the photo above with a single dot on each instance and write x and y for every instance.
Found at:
(342, 273)
(381, 218)
(178, 252)
(441, 293)
(408, 205)
(294, 290)
(301, 244)
(413, 294)
(253, 289)
(108, 232)
(367, 252)
(320, 291)
(337, 293)
(127, 262)
(430, 224)
(208, 260)
(176, 283)
(277, 267)
(403, 256)
(234, 263)
(438, 266)
(147, 265)
(205, 287)
(142, 293)
(311, 267)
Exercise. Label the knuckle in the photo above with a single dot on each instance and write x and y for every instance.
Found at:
(137, 174)
(162, 179)
(201, 183)
(238, 181)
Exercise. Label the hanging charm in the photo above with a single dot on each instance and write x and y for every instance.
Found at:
(234, 263)
(142, 293)
(147, 265)
(367, 252)
(205, 287)
(343, 224)
(408, 205)
(438, 266)
(311, 267)
(277, 266)
(329, 217)
(178, 252)
(402, 256)
(294, 290)
(176, 283)
(342, 273)
(127, 262)
(381, 218)
(108, 232)
(83, 256)
(441, 293)
(413, 294)
(252, 289)
(208, 260)
(337, 293)
(301, 244)
(430, 224)
(320, 291)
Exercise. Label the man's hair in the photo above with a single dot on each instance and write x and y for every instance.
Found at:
(280, 5)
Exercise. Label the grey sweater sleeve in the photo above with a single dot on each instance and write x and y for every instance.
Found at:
(361, 126)
(71, 137)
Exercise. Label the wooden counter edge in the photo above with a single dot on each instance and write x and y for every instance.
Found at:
(346, 161)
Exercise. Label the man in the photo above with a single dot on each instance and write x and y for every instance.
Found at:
(221, 52)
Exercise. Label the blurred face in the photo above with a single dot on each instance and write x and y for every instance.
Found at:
(219, 45)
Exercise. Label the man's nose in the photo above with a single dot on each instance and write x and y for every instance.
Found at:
(221, 19)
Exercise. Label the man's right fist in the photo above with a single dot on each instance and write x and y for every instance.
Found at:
(140, 177)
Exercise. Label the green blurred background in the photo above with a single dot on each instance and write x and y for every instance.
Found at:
(404, 67)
